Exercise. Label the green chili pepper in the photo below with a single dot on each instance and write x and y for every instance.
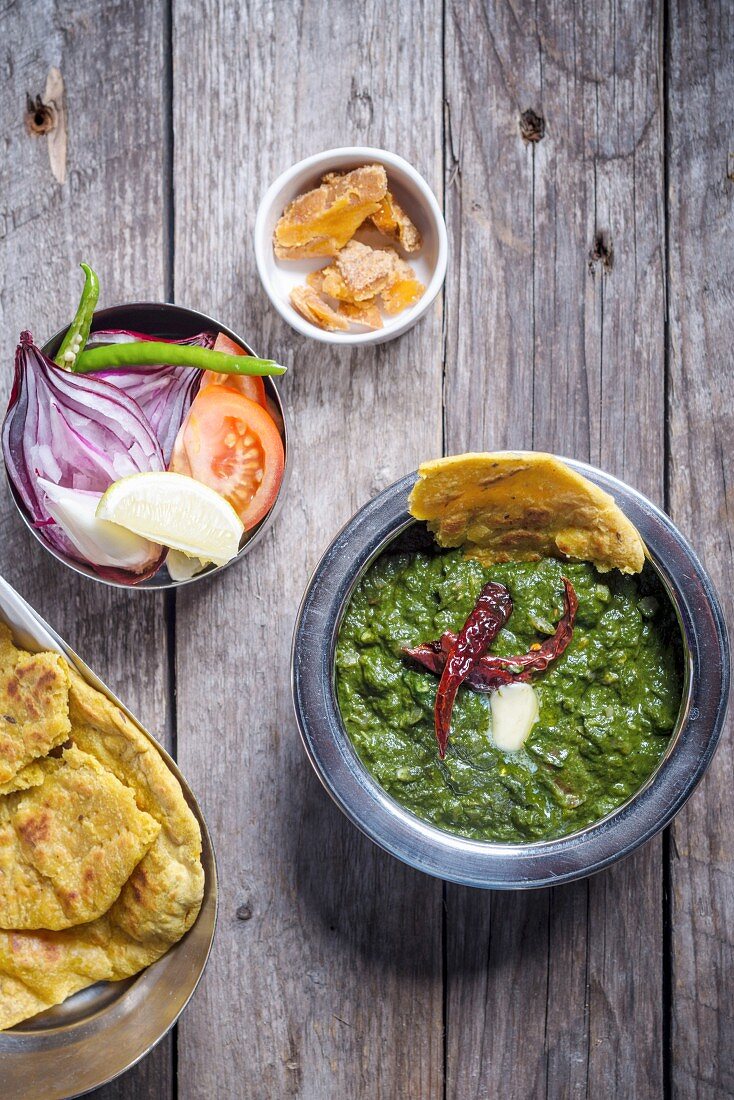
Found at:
(78, 332)
(151, 353)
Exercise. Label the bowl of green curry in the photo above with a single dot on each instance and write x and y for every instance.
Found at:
(627, 716)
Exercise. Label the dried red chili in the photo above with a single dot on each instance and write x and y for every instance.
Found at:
(486, 673)
(491, 672)
(537, 660)
(491, 611)
(432, 656)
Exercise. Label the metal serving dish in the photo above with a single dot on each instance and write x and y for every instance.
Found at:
(483, 863)
(168, 322)
(100, 1032)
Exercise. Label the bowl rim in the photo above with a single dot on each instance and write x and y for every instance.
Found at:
(490, 864)
(263, 245)
(154, 584)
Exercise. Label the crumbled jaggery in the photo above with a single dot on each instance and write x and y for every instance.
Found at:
(360, 279)
(315, 279)
(392, 220)
(333, 284)
(316, 310)
(404, 291)
(362, 313)
(321, 221)
(360, 272)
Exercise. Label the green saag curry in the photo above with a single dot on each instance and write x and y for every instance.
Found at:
(607, 706)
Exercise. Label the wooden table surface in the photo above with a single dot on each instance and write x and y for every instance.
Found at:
(587, 310)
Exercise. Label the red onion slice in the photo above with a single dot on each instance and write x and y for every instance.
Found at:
(164, 393)
(74, 430)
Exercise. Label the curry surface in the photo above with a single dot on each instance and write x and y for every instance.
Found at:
(607, 706)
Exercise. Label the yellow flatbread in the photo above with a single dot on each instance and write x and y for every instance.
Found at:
(34, 710)
(32, 775)
(68, 846)
(521, 506)
(157, 905)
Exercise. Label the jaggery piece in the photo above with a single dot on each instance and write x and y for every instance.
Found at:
(401, 294)
(360, 272)
(362, 313)
(403, 291)
(316, 310)
(392, 220)
(321, 221)
(315, 279)
(333, 285)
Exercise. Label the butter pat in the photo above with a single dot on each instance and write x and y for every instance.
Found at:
(514, 713)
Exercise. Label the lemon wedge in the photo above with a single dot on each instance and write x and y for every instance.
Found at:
(176, 511)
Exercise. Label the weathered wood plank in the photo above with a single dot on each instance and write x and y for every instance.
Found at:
(701, 408)
(332, 986)
(108, 211)
(542, 996)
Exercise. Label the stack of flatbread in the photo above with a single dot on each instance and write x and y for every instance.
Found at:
(100, 855)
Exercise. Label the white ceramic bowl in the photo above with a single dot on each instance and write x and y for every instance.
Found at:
(414, 195)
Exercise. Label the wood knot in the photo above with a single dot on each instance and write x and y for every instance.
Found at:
(244, 912)
(360, 108)
(602, 252)
(532, 126)
(40, 117)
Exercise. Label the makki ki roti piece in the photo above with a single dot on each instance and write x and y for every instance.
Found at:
(34, 707)
(32, 775)
(68, 846)
(321, 221)
(522, 506)
(159, 902)
(313, 307)
(393, 222)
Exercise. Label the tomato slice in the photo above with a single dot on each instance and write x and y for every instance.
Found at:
(246, 384)
(231, 444)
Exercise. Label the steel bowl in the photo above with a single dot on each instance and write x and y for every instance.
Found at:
(98, 1033)
(483, 863)
(168, 322)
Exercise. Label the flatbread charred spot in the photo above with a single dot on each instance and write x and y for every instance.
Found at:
(138, 883)
(35, 829)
